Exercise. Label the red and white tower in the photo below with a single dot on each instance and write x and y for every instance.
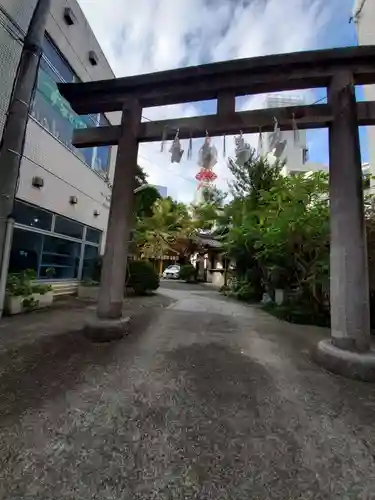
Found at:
(206, 161)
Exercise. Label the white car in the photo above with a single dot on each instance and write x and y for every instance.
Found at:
(172, 272)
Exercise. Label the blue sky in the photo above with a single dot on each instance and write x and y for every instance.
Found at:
(156, 35)
(338, 33)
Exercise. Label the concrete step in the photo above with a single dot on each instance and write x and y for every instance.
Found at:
(61, 288)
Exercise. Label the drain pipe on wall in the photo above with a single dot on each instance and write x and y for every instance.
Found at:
(357, 12)
(5, 261)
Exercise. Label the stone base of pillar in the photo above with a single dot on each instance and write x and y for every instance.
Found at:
(350, 364)
(105, 330)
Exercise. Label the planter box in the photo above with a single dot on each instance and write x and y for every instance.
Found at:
(44, 300)
(88, 292)
(14, 305)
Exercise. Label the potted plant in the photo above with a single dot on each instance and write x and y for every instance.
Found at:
(43, 293)
(50, 273)
(23, 295)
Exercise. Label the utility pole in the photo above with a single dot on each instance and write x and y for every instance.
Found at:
(13, 140)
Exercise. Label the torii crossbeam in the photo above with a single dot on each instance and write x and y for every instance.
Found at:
(338, 70)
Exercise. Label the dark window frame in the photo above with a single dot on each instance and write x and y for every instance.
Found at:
(63, 219)
(19, 204)
(91, 242)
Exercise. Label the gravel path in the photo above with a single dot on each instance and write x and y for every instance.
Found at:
(210, 400)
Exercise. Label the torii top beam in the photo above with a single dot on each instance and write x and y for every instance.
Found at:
(275, 73)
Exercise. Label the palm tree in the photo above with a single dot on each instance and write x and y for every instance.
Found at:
(157, 235)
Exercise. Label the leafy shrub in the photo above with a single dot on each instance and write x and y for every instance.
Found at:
(142, 277)
(245, 292)
(188, 273)
(241, 290)
(30, 303)
(301, 314)
(41, 289)
(20, 284)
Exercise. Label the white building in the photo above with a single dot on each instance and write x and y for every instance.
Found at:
(364, 19)
(290, 145)
(62, 208)
(162, 190)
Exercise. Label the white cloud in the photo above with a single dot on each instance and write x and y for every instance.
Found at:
(155, 35)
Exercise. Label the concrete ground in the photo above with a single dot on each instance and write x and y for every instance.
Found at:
(205, 399)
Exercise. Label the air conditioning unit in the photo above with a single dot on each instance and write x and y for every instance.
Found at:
(37, 182)
(93, 58)
(69, 17)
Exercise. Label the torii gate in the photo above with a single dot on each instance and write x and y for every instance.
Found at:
(339, 70)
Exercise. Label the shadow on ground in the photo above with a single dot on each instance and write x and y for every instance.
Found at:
(41, 368)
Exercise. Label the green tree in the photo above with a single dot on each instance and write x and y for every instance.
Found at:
(140, 176)
(156, 235)
(278, 228)
(292, 235)
(145, 199)
(209, 211)
(239, 221)
(255, 176)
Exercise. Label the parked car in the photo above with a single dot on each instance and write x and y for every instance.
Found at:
(172, 272)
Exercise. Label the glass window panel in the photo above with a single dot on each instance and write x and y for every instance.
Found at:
(101, 159)
(54, 113)
(32, 216)
(47, 67)
(103, 121)
(61, 255)
(68, 227)
(93, 235)
(52, 53)
(89, 270)
(26, 251)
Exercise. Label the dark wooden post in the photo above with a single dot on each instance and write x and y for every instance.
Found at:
(350, 317)
(120, 216)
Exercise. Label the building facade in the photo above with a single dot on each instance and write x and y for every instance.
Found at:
(364, 19)
(162, 190)
(289, 146)
(62, 202)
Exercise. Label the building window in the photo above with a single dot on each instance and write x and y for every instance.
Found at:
(61, 255)
(54, 113)
(93, 235)
(49, 255)
(26, 251)
(68, 227)
(305, 155)
(54, 57)
(90, 258)
(28, 215)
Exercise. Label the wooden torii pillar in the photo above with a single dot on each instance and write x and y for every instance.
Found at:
(348, 351)
(109, 323)
(120, 216)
